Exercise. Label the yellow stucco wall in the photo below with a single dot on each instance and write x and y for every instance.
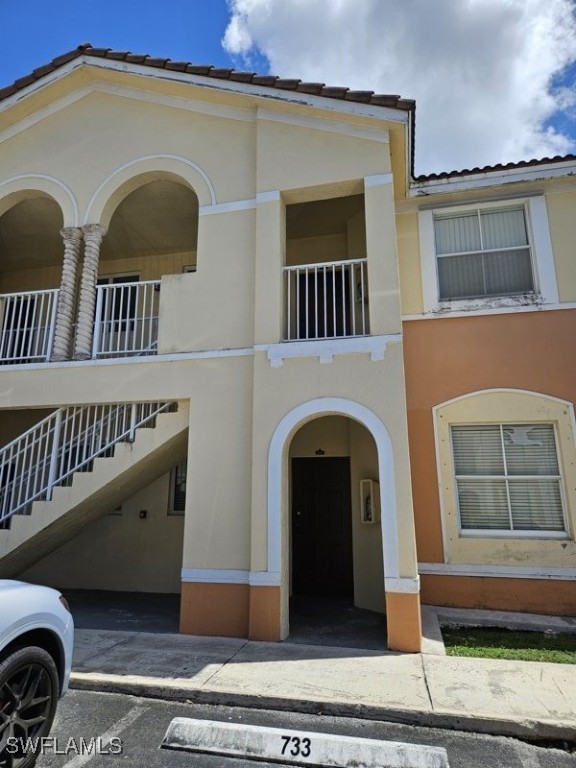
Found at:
(563, 233)
(121, 551)
(409, 263)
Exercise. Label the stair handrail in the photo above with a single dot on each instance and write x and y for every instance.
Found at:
(64, 442)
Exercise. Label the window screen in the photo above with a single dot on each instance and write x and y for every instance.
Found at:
(507, 477)
(483, 253)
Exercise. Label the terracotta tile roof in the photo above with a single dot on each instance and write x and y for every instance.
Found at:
(220, 73)
(270, 81)
(495, 168)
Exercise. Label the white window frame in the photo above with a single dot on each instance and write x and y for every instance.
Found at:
(512, 532)
(538, 230)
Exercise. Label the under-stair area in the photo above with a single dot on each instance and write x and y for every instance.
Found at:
(77, 465)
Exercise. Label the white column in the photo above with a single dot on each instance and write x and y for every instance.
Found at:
(72, 237)
(93, 234)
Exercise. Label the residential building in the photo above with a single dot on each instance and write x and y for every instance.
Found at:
(246, 354)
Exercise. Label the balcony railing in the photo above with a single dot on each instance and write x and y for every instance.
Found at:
(326, 301)
(126, 321)
(27, 323)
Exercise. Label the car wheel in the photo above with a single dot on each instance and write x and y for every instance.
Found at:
(29, 692)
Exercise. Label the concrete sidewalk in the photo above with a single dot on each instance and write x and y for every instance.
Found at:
(525, 699)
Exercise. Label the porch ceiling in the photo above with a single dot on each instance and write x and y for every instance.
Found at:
(158, 218)
(30, 235)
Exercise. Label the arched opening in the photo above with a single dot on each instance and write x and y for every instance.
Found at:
(30, 242)
(336, 569)
(155, 226)
(152, 232)
(31, 252)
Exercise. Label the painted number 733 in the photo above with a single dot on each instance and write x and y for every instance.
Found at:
(295, 746)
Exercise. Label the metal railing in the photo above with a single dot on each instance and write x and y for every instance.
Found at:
(326, 301)
(63, 443)
(27, 322)
(126, 320)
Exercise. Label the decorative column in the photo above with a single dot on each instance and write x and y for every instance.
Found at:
(72, 237)
(93, 234)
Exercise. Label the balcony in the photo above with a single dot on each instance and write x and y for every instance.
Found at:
(126, 319)
(327, 300)
(27, 322)
(126, 323)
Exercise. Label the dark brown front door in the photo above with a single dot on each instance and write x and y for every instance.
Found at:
(321, 528)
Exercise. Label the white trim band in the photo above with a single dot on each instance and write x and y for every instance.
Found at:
(232, 576)
(326, 349)
(378, 180)
(272, 196)
(471, 311)
(402, 585)
(498, 571)
(231, 207)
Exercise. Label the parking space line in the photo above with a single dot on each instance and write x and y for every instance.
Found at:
(105, 738)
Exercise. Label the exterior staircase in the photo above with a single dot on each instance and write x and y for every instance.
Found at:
(76, 465)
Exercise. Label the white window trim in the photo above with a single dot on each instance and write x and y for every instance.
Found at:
(545, 284)
(505, 406)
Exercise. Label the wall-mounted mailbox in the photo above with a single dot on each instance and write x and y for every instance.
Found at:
(369, 501)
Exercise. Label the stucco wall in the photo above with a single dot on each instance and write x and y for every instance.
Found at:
(121, 552)
(449, 358)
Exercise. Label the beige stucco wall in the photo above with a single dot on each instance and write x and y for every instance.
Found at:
(147, 268)
(563, 233)
(121, 552)
(38, 279)
(295, 156)
(277, 391)
(312, 250)
(230, 151)
(409, 263)
(212, 308)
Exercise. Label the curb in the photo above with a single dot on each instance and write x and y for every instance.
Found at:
(520, 727)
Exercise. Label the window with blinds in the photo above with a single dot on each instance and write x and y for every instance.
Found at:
(483, 253)
(508, 478)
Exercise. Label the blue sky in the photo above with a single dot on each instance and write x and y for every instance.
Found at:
(32, 32)
(494, 80)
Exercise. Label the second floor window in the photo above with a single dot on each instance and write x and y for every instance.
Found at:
(483, 253)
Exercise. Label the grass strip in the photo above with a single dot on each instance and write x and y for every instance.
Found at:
(495, 643)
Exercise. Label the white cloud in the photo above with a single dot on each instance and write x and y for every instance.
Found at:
(480, 70)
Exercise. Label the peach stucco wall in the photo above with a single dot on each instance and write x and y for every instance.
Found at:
(449, 357)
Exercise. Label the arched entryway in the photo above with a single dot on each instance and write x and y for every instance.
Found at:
(399, 585)
(336, 564)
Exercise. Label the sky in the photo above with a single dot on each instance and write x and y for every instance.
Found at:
(494, 80)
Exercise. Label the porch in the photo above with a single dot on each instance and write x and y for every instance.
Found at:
(125, 324)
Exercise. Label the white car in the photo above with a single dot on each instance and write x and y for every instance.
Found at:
(36, 637)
